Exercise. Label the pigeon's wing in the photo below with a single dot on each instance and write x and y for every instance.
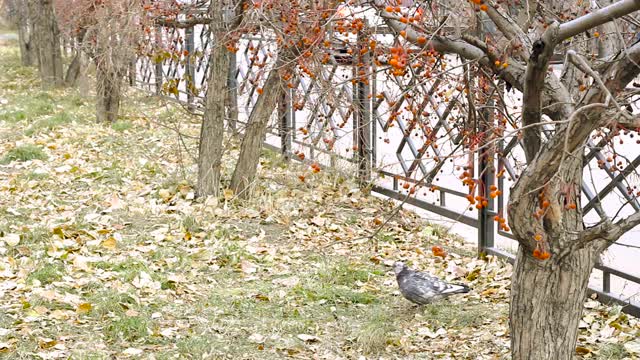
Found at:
(422, 288)
(417, 289)
(441, 287)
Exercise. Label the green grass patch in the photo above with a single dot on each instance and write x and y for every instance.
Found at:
(127, 328)
(612, 352)
(121, 125)
(376, 333)
(24, 153)
(111, 303)
(47, 273)
(444, 314)
(49, 123)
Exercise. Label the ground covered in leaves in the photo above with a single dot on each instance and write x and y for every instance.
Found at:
(104, 253)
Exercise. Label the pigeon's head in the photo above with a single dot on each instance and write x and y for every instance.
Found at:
(398, 267)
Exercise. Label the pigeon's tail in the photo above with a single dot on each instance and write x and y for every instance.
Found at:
(457, 289)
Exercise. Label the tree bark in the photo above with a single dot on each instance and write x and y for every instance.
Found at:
(546, 304)
(547, 296)
(212, 130)
(255, 132)
(46, 38)
(108, 89)
(27, 54)
(74, 70)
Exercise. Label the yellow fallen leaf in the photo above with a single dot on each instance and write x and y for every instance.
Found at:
(489, 291)
(110, 243)
(582, 350)
(228, 194)
(164, 194)
(84, 308)
(47, 344)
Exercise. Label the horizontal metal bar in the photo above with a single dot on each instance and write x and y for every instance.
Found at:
(618, 273)
(608, 298)
(465, 219)
(413, 181)
(501, 254)
(603, 297)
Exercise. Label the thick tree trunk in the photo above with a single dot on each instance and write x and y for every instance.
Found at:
(108, 90)
(546, 304)
(212, 130)
(46, 38)
(255, 132)
(547, 295)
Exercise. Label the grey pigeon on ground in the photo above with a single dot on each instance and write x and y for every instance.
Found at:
(422, 288)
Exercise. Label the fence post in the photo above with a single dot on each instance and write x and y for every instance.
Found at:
(190, 68)
(362, 112)
(284, 128)
(158, 67)
(232, 95)
(132, 71)
(486, 170)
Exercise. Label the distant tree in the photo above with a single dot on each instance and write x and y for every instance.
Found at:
(45, 39)
(109, 33)
(18, 14)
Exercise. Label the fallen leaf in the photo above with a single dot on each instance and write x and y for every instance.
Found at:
(12, 239)
(580, 350)
(228, 194)
(109, 243)
(633, 347)
(133, 351)
(308, 338)
(84, 308)
(248, 267)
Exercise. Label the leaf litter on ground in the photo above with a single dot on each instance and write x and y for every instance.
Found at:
(105, 253)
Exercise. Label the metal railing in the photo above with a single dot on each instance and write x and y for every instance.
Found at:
(364, 118)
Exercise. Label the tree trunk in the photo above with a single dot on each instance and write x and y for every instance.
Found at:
(212, 130)
(255, 132)
(108, 90)
(547, 295)
(546, 304)
(27, 53)
(74, 70)
(46, 37)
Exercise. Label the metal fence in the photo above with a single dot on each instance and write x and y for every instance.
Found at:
(363, 139)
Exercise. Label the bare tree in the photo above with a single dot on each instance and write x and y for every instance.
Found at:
(556, 251)
(109, 33)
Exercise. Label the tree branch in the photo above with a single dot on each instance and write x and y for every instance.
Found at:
(538, 63)
(509, 29)
(596, 18)
(606, 231)
(537, 66)
(182, 24)
(569, 137)
(556, 100)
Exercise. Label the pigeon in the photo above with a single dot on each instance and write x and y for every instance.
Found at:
(422, 288)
